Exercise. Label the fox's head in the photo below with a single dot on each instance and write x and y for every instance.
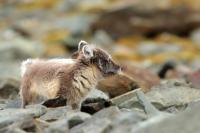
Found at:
(90, 54)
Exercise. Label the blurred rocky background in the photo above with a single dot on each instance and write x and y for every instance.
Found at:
(156, 41)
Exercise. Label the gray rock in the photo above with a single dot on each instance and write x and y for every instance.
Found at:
(3, 101)
(13, 130)
(19, 49)
(9, 116)
(148, 107)
(60, 126)
(9, 88)
(173, 92)
(173, 109)
(195, 36)
(193, 104)
(126, 121)
(108, 113)
(104, 120)
(133, 120)
(26, 123)
(100, 121)
(124, 97)
(149, 48)
(2, 106)
(185, 122)
(168, 93)
(15, 49)
(74, 118)
(9, 120)
(77, 118)
(15, 103)
(54, 114)
(134, 126)
(97, 126)
(10, 69)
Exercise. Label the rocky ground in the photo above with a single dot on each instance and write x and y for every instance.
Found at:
(157, 43)
(171, 106)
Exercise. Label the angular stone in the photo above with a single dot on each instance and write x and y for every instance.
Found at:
(184, 122)
(105, 120)
(173, 92)
(100, 122)
(77, 118)
(54, 114)
(60, 126)
(168, 93)
(9, 116)
(13, 130)
(27, 124)
(74, 118)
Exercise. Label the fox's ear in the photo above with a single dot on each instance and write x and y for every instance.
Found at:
(87, 51)
(81, 44)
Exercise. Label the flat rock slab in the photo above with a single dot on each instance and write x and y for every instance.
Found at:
(104, 120)
(185, 122)
(168, 93)
(9, 116)
(53, 114)
(73, 117)
(60, 126)
(173, 92)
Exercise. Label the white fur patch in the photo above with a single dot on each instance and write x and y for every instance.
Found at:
(25, 64)
(63, 61)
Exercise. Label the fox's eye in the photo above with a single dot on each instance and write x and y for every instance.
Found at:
(105, 62)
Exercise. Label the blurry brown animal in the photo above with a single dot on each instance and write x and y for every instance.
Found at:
(70, 79)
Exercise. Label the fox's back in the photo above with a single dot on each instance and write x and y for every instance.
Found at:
(42, 78)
